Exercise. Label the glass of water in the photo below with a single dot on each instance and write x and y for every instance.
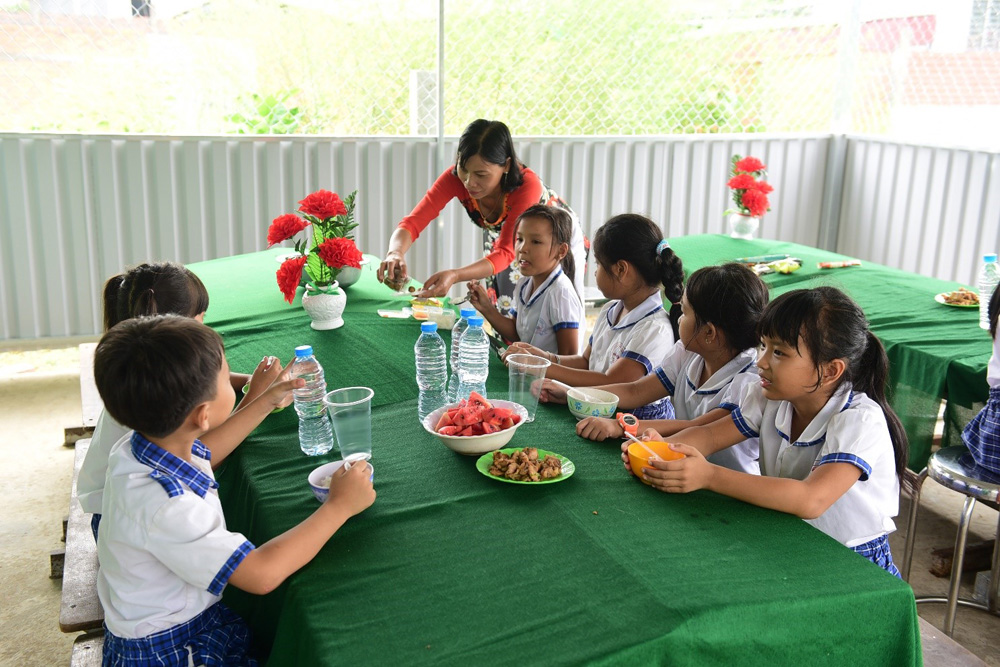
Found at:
(350, 411)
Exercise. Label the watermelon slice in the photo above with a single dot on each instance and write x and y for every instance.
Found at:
(448, 430)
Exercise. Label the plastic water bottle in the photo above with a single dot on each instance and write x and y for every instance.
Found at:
(432, 369)
(473, 359)
(989, 276)
(456, 337)
(315, 430)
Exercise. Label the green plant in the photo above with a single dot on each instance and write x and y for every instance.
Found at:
(269, 114)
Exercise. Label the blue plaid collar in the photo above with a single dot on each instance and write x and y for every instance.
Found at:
(165, 464)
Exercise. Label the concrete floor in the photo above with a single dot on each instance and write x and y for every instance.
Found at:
(39, 396)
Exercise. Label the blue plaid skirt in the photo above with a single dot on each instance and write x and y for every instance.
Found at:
(661, 409)
(216, 637)
(877, 551)
(982, 435)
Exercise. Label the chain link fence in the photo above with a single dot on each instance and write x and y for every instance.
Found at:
(546, 67)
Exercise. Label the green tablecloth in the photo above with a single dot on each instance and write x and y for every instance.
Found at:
(935, 351)
(450, 567)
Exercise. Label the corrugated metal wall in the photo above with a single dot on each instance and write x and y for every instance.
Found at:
(75, 209)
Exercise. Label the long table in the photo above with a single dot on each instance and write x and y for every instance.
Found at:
(450, 567)
(935, 351)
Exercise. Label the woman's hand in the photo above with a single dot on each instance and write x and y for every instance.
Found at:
(688, 474)
(599, 428)
(439, 284)
(393, 269)
(524, 348)
(552, 391)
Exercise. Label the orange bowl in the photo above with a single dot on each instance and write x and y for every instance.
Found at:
(638, 457)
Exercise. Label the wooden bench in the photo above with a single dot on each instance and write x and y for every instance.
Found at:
(88, 650)
(90, 399)
(940, 650)
(80, 609)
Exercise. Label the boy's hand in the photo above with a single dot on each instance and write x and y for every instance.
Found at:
(263, 376)
(352, 490)
(551, 391)
(599, 428)
(691, 473)
(478, 297)
(279, 392)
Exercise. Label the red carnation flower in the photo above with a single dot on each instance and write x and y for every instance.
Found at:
(756, 202)
(750, 165)
(763, 187)
(284, 227)
(339, 253)
(742, 182)
(289, 276)
(323, 204)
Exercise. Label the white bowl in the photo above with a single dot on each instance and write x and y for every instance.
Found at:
(476, 445)
(590, 402)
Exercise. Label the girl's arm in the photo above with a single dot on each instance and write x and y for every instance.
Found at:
(480, 300)
(636, 394)
(600, 428)
(567, 341)
(264, 568)
(559, 361)
(806, 499)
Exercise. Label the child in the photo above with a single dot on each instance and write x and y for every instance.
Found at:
(831, 448)
(149, 289)
(982, 434)
(705, 371)
(632, 332)
(547, 310)
(164, 551)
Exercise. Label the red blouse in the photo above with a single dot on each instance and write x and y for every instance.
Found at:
(448, 186)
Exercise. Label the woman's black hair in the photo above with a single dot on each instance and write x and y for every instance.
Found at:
(490, 140)
(731, 297)
(993, 311)
(562, 231)
(153, 288)
(832, 326)
(635, 239)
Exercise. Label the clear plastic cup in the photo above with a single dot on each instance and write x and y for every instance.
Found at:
(526, 372)
(351, 413)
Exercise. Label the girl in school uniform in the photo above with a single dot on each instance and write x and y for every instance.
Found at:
(547, 311)
(704, 372)
(831, 448)
(982, 434)
(633, 331)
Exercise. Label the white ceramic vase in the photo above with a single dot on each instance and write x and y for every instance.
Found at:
(325, 306)
(743, 226)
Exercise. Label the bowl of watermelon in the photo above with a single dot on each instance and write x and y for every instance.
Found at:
(476, 426)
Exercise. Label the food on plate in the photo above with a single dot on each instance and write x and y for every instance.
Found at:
(475, 416)
(426, 302)
(524, 466)
(962, 297)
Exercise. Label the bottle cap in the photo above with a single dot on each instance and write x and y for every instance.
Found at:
(476, 321)
(992, 257)
(303, 351)
(468, 312)
(428, 327)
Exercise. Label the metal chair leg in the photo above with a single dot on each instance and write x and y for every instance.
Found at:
(956, 565)
(914, 483)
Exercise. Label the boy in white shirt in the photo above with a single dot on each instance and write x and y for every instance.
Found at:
(164, 551)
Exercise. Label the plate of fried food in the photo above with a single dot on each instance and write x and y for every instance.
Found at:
(960, 298)
(525, 465)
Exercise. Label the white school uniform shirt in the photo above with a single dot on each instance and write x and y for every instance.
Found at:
(541, 313)
(164, 551)
(680, 373)
(94, 470)
(644, 335)
(850, 428)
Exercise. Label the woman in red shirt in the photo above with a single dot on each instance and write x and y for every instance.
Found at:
(495, 188)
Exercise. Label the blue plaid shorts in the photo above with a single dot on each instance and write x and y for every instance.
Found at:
(982, 435)
(877, 551)
(216, 637)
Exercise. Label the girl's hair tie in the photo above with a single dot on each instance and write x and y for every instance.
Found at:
(661, 246)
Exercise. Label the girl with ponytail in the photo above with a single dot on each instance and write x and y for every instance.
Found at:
(831, 448)
(982, 434)
(633, 331)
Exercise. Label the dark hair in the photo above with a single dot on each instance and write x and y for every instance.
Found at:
(490, 140)
(562, 231)
(731, 297)
(153, 288)
(152, 371)
(993, 311)
(832, 327)
(635, 239)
